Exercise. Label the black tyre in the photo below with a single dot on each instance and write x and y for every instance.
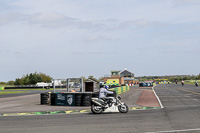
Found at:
(123, 108)
(78, 99)
(86, 99)
(52, 98)
(96, 109)
(44, 101)
(44, 98)
(95, 94)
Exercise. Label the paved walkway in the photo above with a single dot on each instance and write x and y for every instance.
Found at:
(134, 98)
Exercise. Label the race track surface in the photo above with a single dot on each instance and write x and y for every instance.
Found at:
(181, 113)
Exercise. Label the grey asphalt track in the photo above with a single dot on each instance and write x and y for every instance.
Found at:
(181, 114)
(29, 103)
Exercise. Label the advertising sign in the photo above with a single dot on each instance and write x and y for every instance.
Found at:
(65, 99)
(112, 82)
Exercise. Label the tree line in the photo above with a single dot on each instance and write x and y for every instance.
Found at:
(29, 79)
(34, 78)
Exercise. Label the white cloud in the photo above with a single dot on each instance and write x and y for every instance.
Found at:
(84, 32)
(9, 18)
(186, 2)
(48, 17)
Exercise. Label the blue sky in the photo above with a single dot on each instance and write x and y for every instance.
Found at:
(74, 38)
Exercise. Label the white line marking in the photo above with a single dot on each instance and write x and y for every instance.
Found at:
(157, 98)
(198, 129)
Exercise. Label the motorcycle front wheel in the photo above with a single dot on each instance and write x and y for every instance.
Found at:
(123, 108)
(96, 109)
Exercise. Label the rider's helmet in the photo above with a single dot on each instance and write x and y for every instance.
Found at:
(101, 86)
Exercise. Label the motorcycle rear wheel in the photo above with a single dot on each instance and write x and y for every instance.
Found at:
(123, 108)
(96, 109)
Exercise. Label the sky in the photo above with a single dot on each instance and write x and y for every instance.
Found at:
(74, 38)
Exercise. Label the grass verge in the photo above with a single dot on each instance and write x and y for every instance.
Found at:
(11, 92)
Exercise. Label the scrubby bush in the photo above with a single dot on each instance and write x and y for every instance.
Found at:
(32, 79)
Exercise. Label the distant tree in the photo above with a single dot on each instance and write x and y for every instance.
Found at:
(32, 79)
(25, 80)
(84, 78)
(44, 78)
(18, 81)
(3, 83)
(185, 78)
(198, 76)
(10, 82)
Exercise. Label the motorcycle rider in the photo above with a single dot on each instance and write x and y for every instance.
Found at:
(103, 94)
(196, 83)
(105, 101)
(182, 82)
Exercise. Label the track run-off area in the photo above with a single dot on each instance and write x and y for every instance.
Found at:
(180, 114)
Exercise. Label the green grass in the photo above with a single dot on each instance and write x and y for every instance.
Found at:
(11, 92)
(191, 82)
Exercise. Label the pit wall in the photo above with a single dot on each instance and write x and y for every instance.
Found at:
(121, 89)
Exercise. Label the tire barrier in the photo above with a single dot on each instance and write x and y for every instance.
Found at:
(75, 99)
(65, 99)
(78, 97)
(86, 99)
(52, 98)
(68, 99)
(95, 94)
(140, 84)
(44, 98)
(146, 84)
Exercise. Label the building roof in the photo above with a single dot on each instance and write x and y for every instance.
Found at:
(129, 79)
(126, 72)
(92, 80)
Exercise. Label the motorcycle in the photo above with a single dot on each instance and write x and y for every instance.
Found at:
(98, 106)
(196, 84)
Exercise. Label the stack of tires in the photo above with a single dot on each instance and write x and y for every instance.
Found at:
(53, 99)
(86, 99)
(95, 94)
(44, 98)
(140, 84)
(78, 98)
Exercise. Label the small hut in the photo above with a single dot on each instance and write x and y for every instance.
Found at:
(91, 85)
